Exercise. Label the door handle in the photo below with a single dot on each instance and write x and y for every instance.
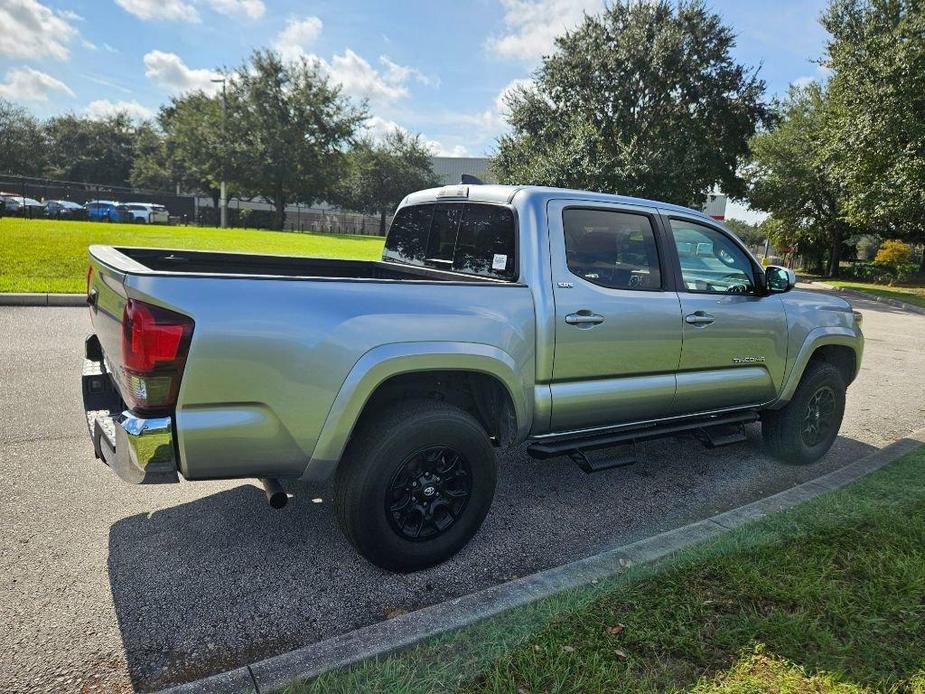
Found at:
(699, 318)
(584, 317)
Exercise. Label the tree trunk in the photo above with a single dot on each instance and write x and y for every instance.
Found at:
(280, 204)
(381, 222)
(835, 255)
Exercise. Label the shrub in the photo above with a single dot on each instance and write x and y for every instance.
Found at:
(893, 254)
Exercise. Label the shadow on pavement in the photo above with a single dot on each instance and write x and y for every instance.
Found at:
(216, 583)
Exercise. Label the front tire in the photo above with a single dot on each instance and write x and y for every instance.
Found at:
(415, 485)
(805, 429)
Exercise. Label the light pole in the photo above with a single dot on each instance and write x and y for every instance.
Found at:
(223, 191)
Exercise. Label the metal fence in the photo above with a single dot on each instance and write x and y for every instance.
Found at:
(192, 209)
(181, 207)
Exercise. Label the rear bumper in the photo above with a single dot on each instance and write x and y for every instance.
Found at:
(140, 450)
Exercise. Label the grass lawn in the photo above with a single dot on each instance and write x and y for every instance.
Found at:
(828, 597)
(38, 255)
(908, 294)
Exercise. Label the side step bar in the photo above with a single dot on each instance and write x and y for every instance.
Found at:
(728, 433)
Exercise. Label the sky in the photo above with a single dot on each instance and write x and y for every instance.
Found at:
(435, 68)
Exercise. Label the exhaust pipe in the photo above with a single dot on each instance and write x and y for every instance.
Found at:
(276, 495)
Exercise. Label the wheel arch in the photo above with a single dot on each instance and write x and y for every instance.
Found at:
(480, 378)
(840, 347)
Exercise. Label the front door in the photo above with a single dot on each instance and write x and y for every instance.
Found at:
(735, 338)
(618, 324)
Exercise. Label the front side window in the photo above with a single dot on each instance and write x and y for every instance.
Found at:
(472, 238)
(612, 249)
(710, 261)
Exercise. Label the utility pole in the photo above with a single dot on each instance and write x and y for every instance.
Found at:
(223, 191)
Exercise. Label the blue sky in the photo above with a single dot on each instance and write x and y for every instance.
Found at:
(436, 68)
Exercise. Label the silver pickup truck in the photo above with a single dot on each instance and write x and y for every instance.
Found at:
(572, 322)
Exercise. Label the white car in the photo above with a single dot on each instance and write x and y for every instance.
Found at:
(148, 213)
(18, 203)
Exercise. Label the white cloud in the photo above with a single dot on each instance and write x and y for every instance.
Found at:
(533, 25)
(244, 9)
(401, 73)
(26, 84)
(438, 149)
(353, 72)
(804, 81)
(104, 108)
(172, 10)
(168, 71)
(360, 79)
(28, 29)
(377, 127)
(294, 41)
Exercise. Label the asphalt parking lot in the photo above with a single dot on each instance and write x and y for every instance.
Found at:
(114, 587)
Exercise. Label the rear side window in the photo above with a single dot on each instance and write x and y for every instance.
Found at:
(473, 238)
(612, 249)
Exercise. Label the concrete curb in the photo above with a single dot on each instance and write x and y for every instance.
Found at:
(895, 303)
(857, 294)
(43, 300)
(384, 638)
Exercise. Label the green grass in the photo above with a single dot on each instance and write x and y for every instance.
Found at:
(828, 597)
(38, 255)
(909, 294)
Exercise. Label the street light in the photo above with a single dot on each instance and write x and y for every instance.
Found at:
(223, 196)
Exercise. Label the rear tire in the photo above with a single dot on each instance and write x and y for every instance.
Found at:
(415, 485)
(804, 429)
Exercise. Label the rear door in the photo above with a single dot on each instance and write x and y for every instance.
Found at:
(618, 320)
(735, 337)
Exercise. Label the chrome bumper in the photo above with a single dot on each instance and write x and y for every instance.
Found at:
(139, 450)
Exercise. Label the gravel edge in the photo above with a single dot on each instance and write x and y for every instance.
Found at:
(384, 638)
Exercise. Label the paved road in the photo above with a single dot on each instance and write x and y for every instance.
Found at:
(116, 587)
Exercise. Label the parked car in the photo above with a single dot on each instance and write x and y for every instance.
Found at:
(498, 315)
(148, 213)
(64, 209)
(108, 211)
(21, 205)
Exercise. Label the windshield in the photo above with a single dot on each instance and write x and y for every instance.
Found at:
(473, 238)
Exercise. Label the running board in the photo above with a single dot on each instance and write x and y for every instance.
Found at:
(566, 445)
(596, 463)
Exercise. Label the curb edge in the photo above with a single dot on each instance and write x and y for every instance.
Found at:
(30, 299)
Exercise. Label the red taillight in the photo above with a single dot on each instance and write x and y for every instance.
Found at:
(155, 342)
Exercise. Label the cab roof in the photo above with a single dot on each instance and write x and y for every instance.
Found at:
(506, 194)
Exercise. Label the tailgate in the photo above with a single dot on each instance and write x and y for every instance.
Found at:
(106, 298)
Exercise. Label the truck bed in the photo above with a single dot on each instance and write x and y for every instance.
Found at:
(216, 263)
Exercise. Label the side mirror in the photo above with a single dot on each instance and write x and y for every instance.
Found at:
(779, 279)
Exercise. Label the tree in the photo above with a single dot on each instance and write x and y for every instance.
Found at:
(22, 148)
(192, 150)
(751, 234)
(379, 175)
(791, 176)
(91, 151)
(291, 126)
(877, 55)
(644, 99)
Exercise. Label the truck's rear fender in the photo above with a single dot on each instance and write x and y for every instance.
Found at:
(822, 342)
(380, 364)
